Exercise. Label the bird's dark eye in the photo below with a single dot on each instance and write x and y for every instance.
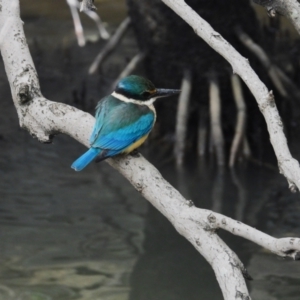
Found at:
(146, 94)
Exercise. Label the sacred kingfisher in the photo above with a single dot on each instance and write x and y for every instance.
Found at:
(124, 119)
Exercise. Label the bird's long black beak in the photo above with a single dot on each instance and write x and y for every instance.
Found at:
(166, 93)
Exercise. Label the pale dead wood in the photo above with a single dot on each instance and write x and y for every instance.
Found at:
(93, 15)
(43, 118)
(74, 6)
(77, 22)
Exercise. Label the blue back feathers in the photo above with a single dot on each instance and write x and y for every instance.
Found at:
(119, 124)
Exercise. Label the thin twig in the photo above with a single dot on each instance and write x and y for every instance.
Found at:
(241, 118)
(77, 22)
(215, 120)
(43, 118)
(111, 44)
(182, 117)
(102, 30)
(94, 16)
(279, 246)
(131, 66)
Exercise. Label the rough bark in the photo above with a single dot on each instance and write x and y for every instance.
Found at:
(44, 118)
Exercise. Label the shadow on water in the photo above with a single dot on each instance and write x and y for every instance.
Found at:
(90, 235)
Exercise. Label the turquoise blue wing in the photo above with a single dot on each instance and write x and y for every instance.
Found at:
(121, 138)
(119, 124)
(100, 117)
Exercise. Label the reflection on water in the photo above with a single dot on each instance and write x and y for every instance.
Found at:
(90, 235)
(64, 235)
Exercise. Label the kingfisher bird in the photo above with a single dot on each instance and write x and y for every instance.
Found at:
(124, 119)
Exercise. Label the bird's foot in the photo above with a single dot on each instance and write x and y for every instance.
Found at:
(135, 153)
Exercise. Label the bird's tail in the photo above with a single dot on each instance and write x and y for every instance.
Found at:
(85, 159)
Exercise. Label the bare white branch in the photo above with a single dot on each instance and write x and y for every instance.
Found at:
(288, 166)
(77, 22)
(285, 247)
(43, 118)
(102, 30)
(74, 6)
(94, 16)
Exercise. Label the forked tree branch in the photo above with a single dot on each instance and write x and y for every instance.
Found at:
(44, 118)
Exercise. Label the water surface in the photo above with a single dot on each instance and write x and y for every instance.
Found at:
(90, 235)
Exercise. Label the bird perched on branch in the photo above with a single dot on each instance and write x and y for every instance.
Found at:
(124, 119)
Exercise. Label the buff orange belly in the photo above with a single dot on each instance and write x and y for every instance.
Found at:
(136, 144)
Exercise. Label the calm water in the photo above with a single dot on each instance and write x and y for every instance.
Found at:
(90, 235)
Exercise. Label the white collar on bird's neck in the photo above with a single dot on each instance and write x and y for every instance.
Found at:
(129, 100)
